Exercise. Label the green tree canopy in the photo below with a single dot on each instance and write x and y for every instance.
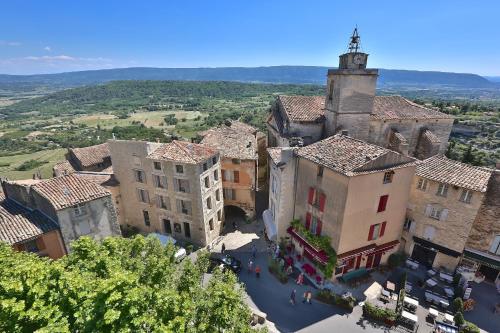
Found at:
(119, 285)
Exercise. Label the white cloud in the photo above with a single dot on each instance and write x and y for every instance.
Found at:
(47, 48)
(9, 43)
(50, 58)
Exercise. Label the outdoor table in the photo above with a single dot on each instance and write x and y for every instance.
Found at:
(431, 282)
(412, 264)
(431, 272)
(448, 318)
(411, 301)
(390, 286)
(386, 293)
(446, 277)
(409, 316)
(449, 291)
(433, 312)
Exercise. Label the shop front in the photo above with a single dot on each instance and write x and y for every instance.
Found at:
(485, 265)
(431, 254)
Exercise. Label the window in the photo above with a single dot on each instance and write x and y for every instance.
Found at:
(177, 228)
(214, 160)
(205, 166)
(442, 190)
(229, 194)
(211, 224)
(209, 203)
(466, 196)
(382, 203)
(184, 206)
(207, 182)
(79, 210)
(31, 246)
(219, 215)
(179, 168)
(376, 231)
(145, 215)
(273, 184)
(236, 161)
(409, 224)
(236, 176)
(495, 246)
(162, 202)
(140, 176)
(437, 213)
(143, 195)
(181, 185)
(167, 227)
(84, 227)
(320, 171)
(216, 175)
(187, 230)
(429, 232)
(160, 181)
(388, 177)
(217, 195)
(422, 184)
(157, 165)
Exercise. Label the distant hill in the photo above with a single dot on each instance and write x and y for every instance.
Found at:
(273, 74)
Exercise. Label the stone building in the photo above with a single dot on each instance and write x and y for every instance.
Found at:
(93, 158)
(482, 249)
(173, 188)
(243, 162)
(77, 207)
(352, 108)
(445, 198)
(354, 192)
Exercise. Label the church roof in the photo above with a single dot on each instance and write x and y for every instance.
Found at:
(351, 157)
(397, 107)
(303, 108)
(444, 170)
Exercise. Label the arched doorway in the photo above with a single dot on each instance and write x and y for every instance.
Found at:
(234, 217)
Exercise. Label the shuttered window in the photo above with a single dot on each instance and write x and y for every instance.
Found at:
(382, 203)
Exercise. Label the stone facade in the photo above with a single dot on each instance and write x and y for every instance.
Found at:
(185, 214)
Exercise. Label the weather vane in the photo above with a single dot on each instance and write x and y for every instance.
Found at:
(355, 42)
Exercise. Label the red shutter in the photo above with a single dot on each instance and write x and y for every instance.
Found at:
(223, 175)
(382, 203)
(370, 233)
(382, 229)
(310, 198)
(318, 227)
(308, 220)
(236, 176)
(322, 199)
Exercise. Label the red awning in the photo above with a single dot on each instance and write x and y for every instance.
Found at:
(317, 254)
(368, 249)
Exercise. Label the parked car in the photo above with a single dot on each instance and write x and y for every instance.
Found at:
(165, 239)
(225, 262)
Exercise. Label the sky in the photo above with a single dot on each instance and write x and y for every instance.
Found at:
(58, 36)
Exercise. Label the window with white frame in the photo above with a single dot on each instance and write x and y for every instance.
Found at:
(160, 181)
(466, 196)
(162, 202)
(79, 210)
(442, 190)
(142, 195)
(422, 184)
(229, 194)
(429, 232)
(436, 212)
(408, 224)
(495, 246)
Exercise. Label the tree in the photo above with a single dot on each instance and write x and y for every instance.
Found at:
(468, 156)
(459, 319)
(126, 285)
(458, 305)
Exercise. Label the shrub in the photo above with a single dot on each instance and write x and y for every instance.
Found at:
(458, 305)
(328, 297)
(376, 313)
(459, 319)
(189, 248)
(29, 165)
(129, 231)
(396, 259)
(275, 269)
(470, 328)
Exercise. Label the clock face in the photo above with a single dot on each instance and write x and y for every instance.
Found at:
(358, 59)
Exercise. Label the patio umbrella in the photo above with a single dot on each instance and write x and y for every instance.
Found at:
(373, 291)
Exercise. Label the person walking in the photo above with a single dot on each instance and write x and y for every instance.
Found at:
(257, 271)
(250, 266)
(308, 297)
(292, 297)
(254, 251)
(300, 279)
(223, 249)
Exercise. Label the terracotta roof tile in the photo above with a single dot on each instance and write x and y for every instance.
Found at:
(235, 141)
(63, 168)
(67, 191)
(275, 154)
(182, 152)
(444, 170)
(303, 108)
(92, 155)
(18, 224)
(350, 156)
(397, 107)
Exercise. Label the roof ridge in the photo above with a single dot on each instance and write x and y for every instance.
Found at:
(188, 153)
(442, 156)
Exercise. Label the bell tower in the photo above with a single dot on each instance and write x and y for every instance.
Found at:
(350, 93)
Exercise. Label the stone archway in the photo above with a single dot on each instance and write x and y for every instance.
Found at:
(233, 215)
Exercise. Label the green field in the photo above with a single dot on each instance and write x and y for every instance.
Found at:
(8, 164)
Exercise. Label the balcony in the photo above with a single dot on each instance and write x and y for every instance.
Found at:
(310, 251)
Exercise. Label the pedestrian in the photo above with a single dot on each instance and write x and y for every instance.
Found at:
(300, 279)
(234, 225)
(309, 297)
(289, 270)
(254, 251)
(292, 297)
(257, 271)
(223, 248)
(277, 252)
(250, 266)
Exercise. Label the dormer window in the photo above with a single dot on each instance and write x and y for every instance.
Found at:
(388, 177)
